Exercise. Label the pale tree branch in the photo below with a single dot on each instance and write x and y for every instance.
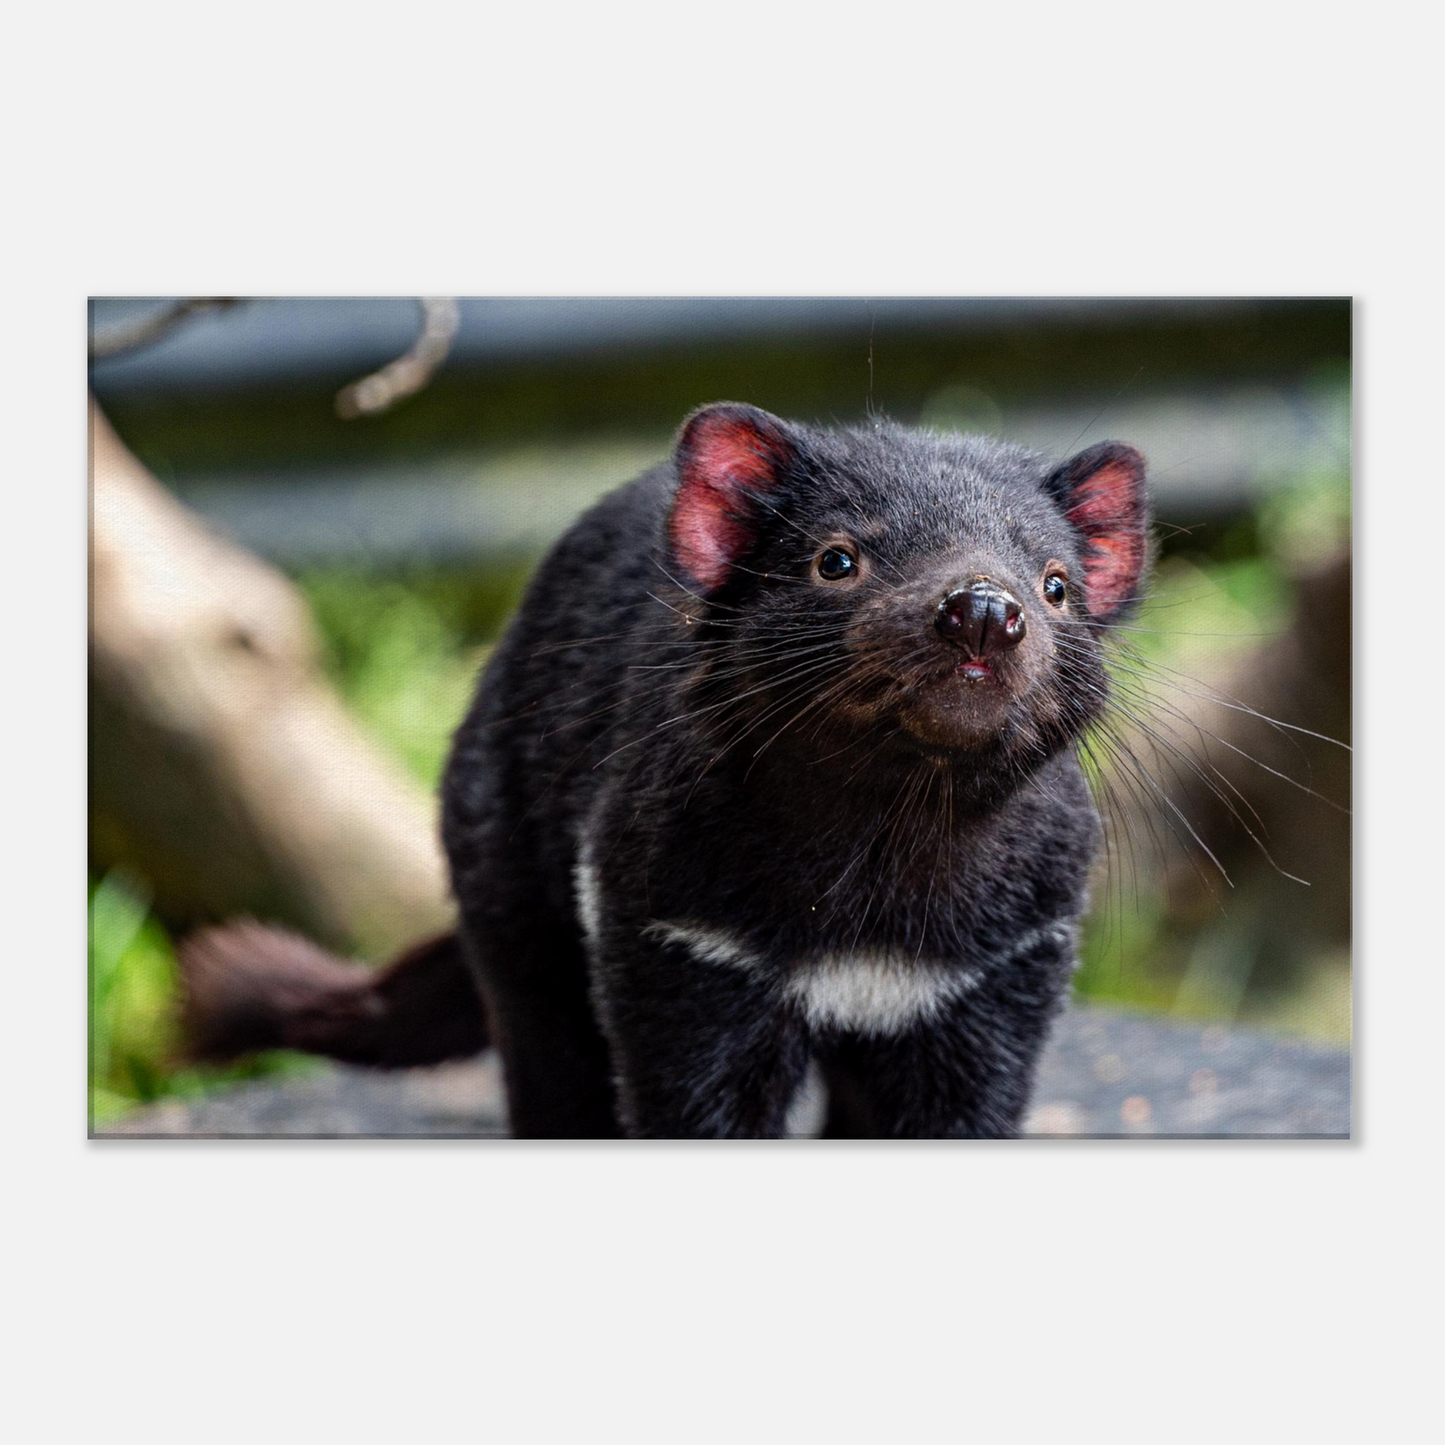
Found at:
(147, 329)
(408, 374)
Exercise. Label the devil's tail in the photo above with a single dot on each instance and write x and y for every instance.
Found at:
(248, 986)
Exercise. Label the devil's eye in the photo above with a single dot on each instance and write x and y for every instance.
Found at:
(835, 563)
(1054, 589)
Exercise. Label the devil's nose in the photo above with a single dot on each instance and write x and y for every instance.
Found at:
(983, 618)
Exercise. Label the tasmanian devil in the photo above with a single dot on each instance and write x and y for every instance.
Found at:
(776, 762)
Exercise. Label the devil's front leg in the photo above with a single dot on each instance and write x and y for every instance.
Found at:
(966, 1071)
(701, 1046)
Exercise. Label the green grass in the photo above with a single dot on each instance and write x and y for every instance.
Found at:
(135, 1047)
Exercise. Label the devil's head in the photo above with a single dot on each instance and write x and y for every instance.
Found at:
(947, 593)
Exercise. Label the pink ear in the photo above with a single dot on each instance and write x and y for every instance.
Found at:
(727, 456)
(1103, 495)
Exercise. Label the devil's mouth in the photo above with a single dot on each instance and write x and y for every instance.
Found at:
(974, 670)
(975, 673)
(951, 699)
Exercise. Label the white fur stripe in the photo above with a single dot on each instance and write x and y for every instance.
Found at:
(588, 891)
(711, 945)
(869, 991)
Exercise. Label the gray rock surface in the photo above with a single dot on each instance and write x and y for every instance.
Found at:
(1106, 1074)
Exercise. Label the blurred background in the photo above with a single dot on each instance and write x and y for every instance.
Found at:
(295, 580)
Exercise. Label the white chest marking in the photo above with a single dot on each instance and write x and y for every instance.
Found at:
(868, 991)
(874, 992)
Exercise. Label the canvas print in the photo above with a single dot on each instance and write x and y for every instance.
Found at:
(675, 718)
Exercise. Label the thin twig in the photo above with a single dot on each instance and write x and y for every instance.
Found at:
(149, 328)
(405, 376)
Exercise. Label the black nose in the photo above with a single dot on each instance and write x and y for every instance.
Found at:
(982, 618)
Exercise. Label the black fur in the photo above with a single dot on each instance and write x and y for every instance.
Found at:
(799, 767)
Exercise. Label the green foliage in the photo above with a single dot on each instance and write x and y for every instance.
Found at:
(404, 647)
(132, 986)
(134, 1044)
(1208, 606)
(1301, 524)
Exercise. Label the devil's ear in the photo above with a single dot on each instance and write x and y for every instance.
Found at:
(1103, 495)
(728, 458)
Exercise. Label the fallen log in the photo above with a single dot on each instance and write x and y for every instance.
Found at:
(224, 770)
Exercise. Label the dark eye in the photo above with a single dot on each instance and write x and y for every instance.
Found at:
(1054, 589)
(834, 564)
